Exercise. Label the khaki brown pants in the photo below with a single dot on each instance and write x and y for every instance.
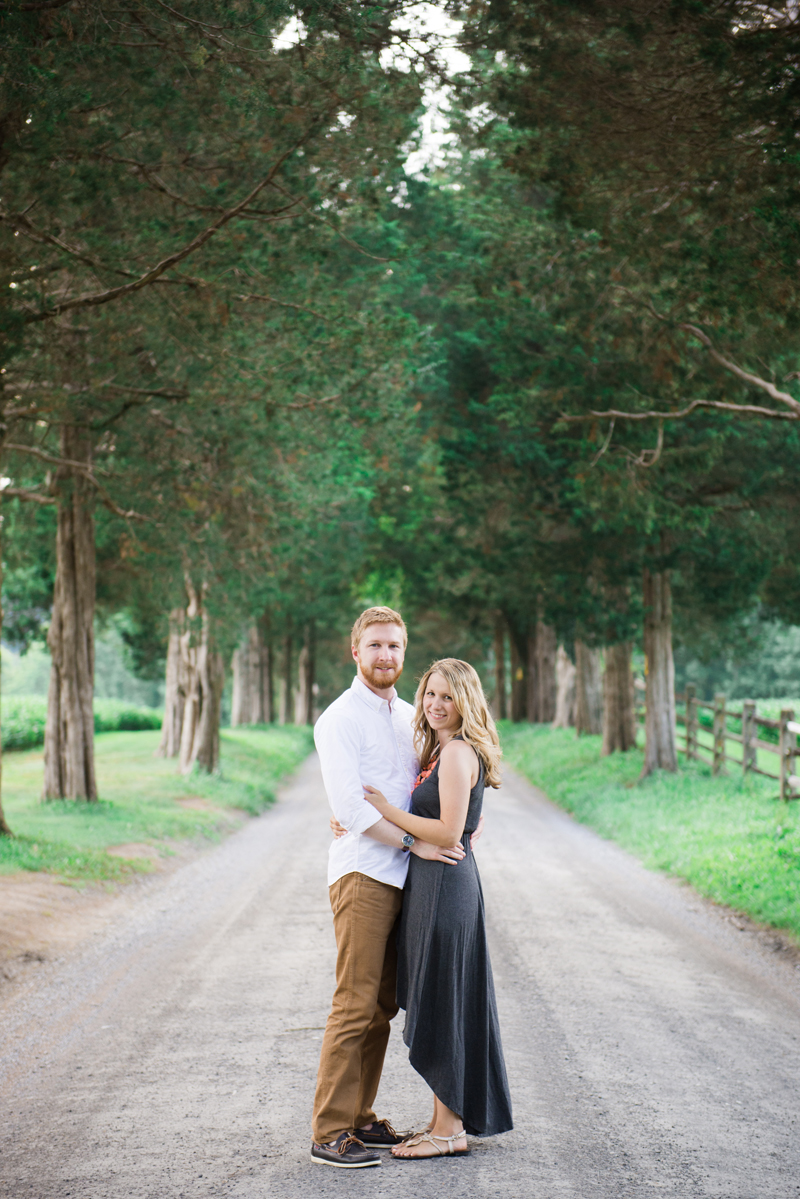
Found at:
(365, 913)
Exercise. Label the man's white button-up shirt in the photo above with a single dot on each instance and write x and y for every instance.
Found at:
(360, 739)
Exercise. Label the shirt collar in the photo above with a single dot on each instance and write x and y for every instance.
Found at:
(369, 697)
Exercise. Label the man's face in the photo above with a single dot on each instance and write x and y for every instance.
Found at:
(380, 654)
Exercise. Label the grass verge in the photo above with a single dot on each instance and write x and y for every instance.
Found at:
(731, 838)
(143, 801)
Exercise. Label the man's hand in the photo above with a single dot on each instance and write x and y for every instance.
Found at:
(339, 830)
(423, 849)
(476, 836)
(436, 853)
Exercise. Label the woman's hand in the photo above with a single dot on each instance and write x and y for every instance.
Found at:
(337, 829)
(377, 799)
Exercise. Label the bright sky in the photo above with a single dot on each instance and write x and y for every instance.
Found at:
(428, 24)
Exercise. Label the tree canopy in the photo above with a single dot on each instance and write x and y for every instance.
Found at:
(260, 365)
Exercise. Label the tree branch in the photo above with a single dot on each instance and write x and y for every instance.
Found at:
(21, 494)
(160, 419)
(157, 184)
(678, 414)
(783, 397)
(40, 6)
(333, 228)
(163, 393)
(80, 468)
(114, 293)
(312, 403)
(247, 299)
(51, 459)
(18, 221)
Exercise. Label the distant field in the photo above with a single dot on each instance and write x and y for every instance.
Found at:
(143, 800)
(730, 837)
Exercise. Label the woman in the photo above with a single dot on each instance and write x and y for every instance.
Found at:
(444, 974)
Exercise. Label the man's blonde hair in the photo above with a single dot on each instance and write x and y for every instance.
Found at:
(377, 616)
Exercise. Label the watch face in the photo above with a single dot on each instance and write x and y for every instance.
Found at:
(408, 840)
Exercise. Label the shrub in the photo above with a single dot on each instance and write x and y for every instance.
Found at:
(115, 716)
(24, 719)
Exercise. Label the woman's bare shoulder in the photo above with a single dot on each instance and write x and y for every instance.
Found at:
(456, 751)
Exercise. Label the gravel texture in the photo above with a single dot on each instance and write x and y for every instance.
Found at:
(652, 1044)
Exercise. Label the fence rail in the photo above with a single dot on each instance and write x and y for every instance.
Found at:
(716, 754)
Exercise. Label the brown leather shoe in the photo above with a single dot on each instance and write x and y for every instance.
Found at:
(381, 1135)
(346, 1152)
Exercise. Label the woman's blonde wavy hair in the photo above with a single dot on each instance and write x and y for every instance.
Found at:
(477, 727)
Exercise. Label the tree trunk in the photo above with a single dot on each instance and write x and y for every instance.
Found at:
(588, 690)
(660, 751)
(500, 704)
(211, 680)
(531, 689)
(287, 683)
(304, 699)
(564, 715)
(177, 685)
(205, 678)
(5, 831)
(542, 674)
(240, 686)
(69, 732)
(252, 678)
(619, 717)
(268, 663)
(519, 683)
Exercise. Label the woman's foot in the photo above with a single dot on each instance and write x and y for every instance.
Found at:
(430, 1144)
(415, 1132)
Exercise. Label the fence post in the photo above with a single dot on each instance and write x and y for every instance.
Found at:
(749, 734)
(787, 752)
(719, 734)
(691, 721)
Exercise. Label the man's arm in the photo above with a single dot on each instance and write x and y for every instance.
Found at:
(338, 745)
(339, 830)
(389, 834)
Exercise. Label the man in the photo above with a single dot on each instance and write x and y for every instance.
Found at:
(365, 736)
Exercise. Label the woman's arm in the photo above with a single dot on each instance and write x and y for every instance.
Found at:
(456, 771)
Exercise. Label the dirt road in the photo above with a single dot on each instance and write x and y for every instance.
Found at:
(652, 1046)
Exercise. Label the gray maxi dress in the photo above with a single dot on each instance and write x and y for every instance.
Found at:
(444, 978)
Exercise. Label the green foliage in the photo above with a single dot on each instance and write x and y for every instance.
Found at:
(354, 388)
(757, 660)
(141, 802)
(730, 838)
(24, 719)
(114, 715)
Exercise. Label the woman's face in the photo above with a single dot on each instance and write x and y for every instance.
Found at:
(438, 706)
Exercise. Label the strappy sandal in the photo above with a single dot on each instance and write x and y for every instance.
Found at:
(428, 1136)
(416, 1132)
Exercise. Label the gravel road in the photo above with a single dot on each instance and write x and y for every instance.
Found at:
(652, 1046)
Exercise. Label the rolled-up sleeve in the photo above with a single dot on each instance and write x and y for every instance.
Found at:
(339, 752)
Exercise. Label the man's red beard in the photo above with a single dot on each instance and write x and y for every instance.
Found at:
(381, 678)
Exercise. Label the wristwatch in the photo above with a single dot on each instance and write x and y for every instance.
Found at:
(408, 841)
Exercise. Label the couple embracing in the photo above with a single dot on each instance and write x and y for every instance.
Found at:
(406, 787)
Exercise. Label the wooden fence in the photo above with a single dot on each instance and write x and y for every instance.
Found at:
(715, 753)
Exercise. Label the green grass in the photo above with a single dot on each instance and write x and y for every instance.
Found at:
(731, 838)
(140, 800)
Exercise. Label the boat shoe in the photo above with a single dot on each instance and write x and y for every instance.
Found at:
(346, 1152)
